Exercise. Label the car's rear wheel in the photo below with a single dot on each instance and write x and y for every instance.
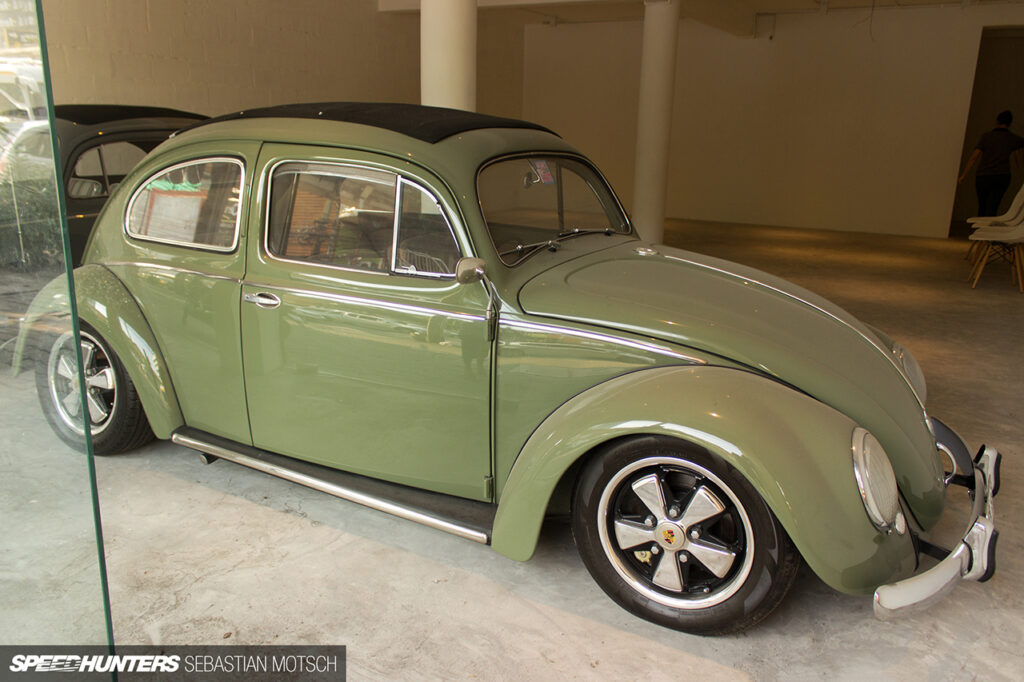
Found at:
(679, 537)
(116, 418)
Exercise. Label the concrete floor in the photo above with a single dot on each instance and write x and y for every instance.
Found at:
(221, 554)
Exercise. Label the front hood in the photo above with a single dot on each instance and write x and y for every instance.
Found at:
(761, 321)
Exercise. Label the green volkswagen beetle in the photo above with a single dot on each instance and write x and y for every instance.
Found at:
(448, 317)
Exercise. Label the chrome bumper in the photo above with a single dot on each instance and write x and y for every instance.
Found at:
(973, 558)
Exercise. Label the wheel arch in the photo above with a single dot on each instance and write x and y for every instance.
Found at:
(107, 306)
(794, 450)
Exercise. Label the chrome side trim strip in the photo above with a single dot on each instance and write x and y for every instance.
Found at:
(170, 268)
(367, 303)
(344, 493)
(639, 345)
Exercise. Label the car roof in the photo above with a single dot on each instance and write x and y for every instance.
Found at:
(95, 114)
(427, 124)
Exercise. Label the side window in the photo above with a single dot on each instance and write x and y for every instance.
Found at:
(344, 216)
(192, 204)
(426, 245)
(332, 215)
(99, 170)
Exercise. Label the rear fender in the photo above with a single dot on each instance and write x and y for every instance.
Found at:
(794, 450)
(106, 305)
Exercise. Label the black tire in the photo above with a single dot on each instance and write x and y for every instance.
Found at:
(729, 561)
(117, 419)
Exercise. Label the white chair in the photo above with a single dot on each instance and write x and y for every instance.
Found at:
(1013, 214)
(999, 243)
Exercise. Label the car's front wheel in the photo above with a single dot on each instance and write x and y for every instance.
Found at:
(112, 406)
(679, 537)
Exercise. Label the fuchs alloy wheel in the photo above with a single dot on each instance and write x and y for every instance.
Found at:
(679, 537)
(117, 421)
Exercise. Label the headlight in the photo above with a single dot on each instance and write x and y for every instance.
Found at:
(911, 370)
(877, 482)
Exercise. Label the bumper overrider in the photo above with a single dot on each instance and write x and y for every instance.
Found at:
(973, 557)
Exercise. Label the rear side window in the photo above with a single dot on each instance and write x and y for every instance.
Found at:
(191, 204)
(99, 170)
(357, 218)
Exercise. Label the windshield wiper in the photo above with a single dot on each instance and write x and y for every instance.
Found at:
(527, 249)
(575, 232)
(552, 244)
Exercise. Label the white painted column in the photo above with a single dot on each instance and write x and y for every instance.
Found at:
(654, 119)
(448, 53)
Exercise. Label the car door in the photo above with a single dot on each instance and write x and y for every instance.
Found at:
(360, 350)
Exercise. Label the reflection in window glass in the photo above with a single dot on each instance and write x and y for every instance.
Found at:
(26, 156)
(194, 204)
(332, 215)
(426, 245)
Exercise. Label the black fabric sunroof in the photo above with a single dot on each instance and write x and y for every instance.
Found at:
(94, 114)
(430, 124)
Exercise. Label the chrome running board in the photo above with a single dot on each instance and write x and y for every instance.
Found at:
(466, 518)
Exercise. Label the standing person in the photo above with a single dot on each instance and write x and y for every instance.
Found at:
(993, 176)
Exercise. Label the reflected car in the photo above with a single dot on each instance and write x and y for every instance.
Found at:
(99, 145)
(449, 317)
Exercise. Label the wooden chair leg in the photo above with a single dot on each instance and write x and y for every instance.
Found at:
(981, 264)
(1012, 252)
(1018, 262)
(974, 262)
(972, 252)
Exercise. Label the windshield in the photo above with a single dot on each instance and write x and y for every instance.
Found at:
(534, 202)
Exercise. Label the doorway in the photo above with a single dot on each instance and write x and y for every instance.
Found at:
(998, 85)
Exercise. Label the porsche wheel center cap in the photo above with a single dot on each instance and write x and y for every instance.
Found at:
(669, 535)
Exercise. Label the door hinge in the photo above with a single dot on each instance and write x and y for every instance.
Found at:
(489, 487)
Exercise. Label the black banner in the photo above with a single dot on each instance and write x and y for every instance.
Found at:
(169, 663)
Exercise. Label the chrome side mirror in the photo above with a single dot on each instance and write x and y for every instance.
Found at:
(469, 270)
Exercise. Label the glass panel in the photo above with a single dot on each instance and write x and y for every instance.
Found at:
(193, 204)
(530, 200)
(51, 577)
(332, 215)
(426, 245)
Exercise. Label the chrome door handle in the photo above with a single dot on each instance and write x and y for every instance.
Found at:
(263, 300)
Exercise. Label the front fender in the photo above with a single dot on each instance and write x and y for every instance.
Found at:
(794, 450)
(105, 304)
